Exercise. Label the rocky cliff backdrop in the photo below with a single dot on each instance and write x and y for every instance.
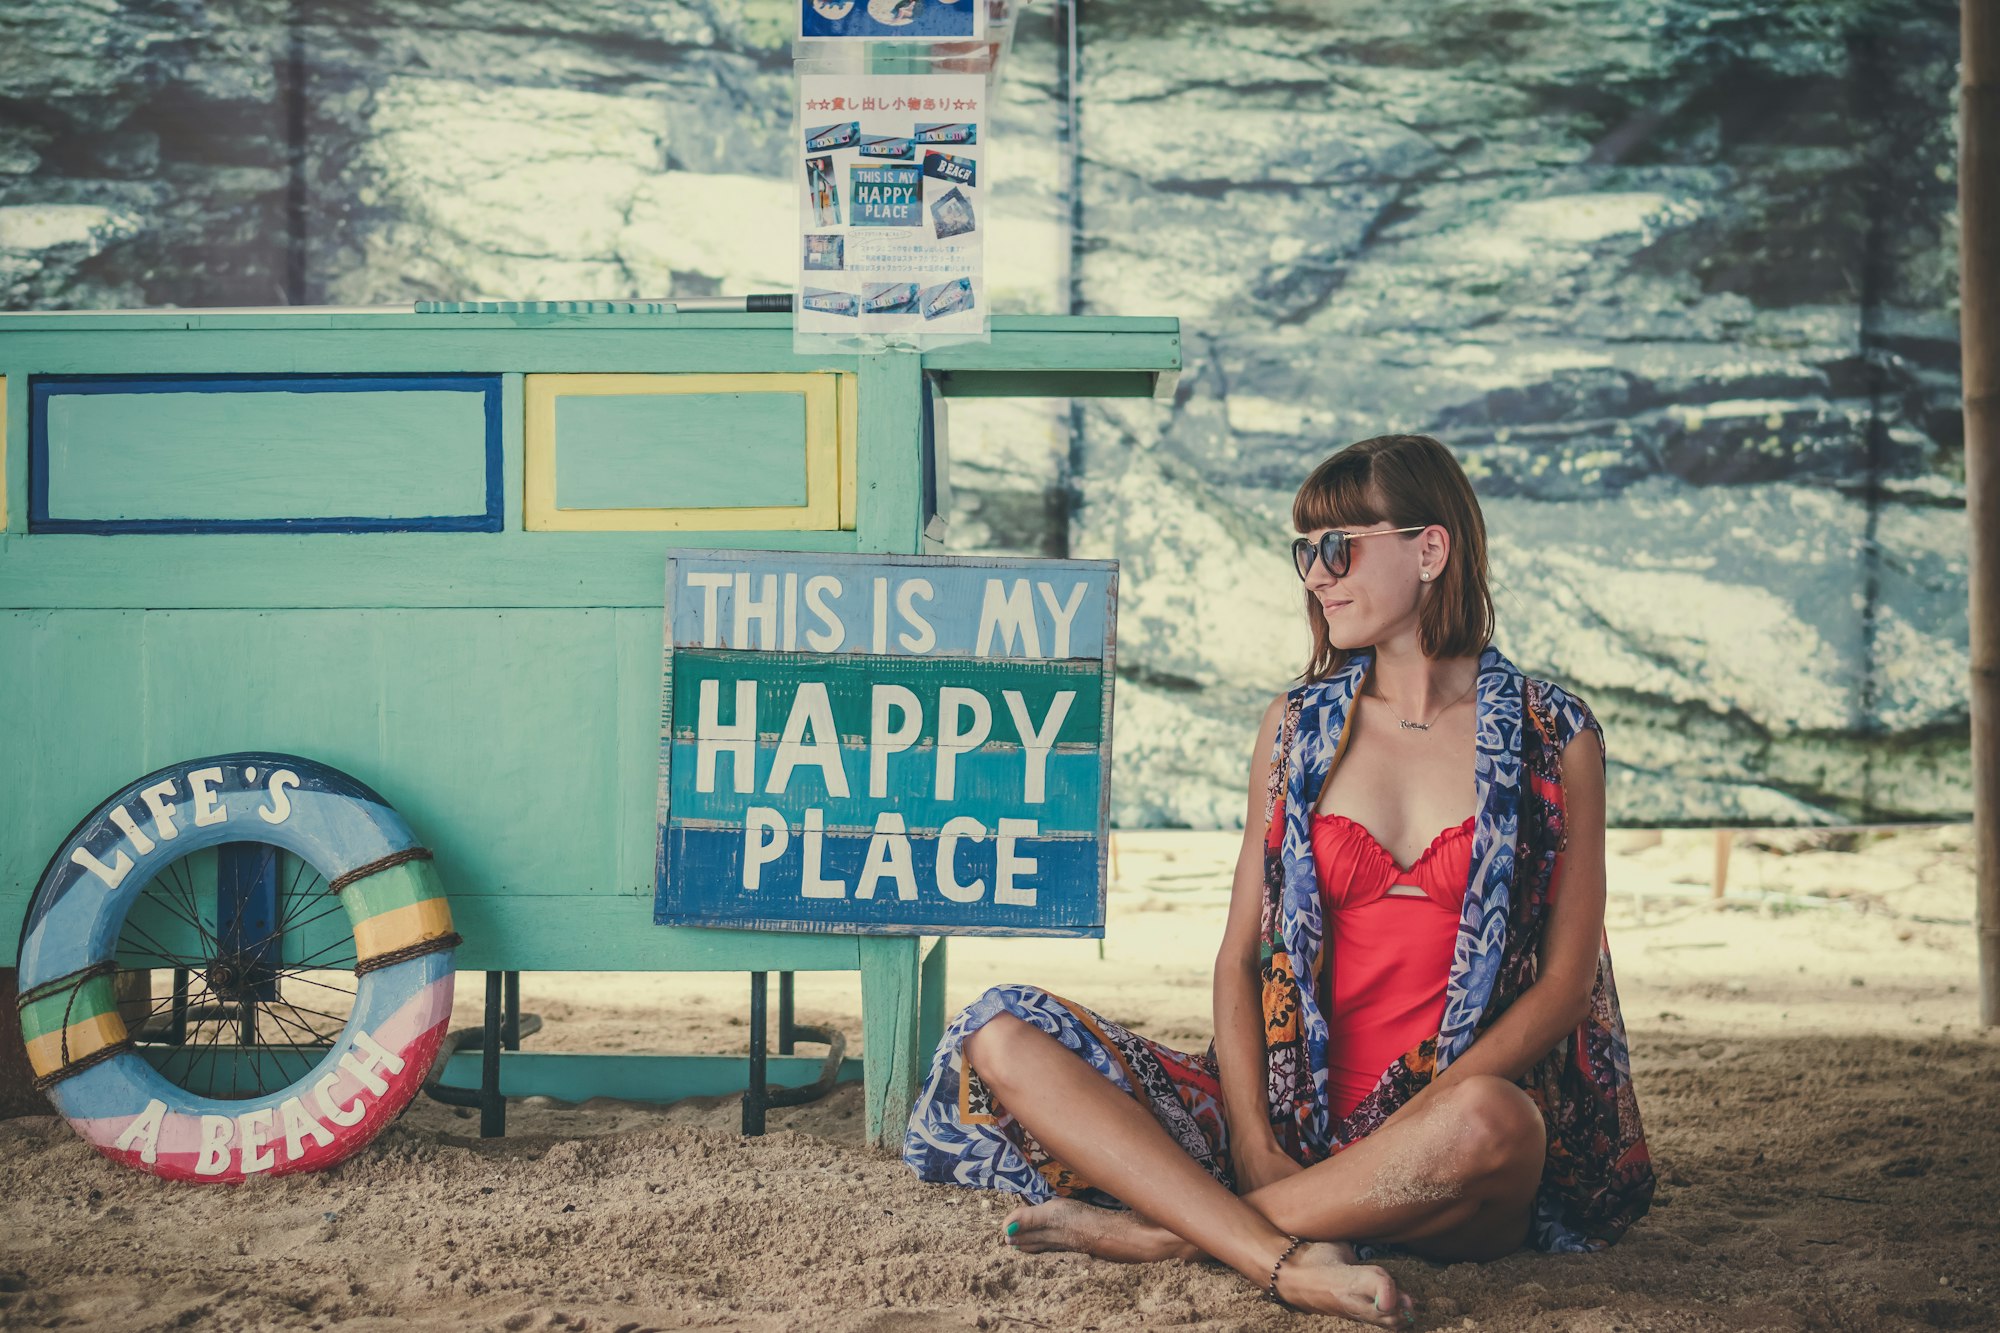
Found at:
(1675, 280)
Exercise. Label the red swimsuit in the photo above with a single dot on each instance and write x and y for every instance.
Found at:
(1388, 955)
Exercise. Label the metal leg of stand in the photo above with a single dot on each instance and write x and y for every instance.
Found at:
(510, 1013)
(492, 1106)
(753, 1096)
(786, 1036)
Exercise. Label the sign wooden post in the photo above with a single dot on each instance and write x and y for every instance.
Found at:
(1979, 317)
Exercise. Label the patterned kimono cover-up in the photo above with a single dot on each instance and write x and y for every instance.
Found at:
(1597, 1179)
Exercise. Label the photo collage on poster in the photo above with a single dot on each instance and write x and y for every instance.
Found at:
(891, 20)
(891, 238)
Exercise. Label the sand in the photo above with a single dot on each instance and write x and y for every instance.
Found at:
(1820, 1102)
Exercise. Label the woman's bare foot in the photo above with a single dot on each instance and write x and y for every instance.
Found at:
(1104, 1233)
(1327, 1278)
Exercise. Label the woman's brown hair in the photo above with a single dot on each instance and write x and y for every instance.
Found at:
(1404, 481)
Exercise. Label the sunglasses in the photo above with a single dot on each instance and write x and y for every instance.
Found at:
(1333, 550)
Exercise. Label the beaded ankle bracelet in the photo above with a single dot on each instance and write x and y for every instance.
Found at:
(1271, 1287)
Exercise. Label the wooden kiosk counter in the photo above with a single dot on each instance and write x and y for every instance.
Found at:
(425, 551)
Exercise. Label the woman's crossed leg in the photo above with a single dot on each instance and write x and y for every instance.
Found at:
(1453, 1181)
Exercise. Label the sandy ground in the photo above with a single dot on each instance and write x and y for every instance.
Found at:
(1820, 1102)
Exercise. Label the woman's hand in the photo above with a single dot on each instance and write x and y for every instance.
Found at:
(1261, 1164)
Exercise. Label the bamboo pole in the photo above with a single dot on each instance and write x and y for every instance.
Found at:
(1979, 329)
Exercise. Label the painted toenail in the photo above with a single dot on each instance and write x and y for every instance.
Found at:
(1013, 1227)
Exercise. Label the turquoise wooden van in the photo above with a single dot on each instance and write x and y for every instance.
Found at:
(425, 551)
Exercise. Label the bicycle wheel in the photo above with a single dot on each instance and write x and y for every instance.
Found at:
(236, 965)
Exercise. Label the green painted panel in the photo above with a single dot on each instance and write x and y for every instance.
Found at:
(14, 436)
(415, 569)
(242, 454)
(513, 454)
(73, 755)
(419, 347)
(636, 750)
(891, 995)
(890, 420)
(617, 934)
(286, 341)
(578, 1076)
(230, 1071)
(519, 790)
(1049, 383)
(448, 714)
(680, 450)
(850, 680)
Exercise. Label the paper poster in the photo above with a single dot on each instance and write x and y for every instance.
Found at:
(892, 20)
(890, 205)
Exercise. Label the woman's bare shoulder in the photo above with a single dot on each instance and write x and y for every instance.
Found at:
(1274, 715)
(1572, 716)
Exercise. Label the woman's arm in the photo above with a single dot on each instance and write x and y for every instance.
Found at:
(1551, 1009)
(1239, 1000)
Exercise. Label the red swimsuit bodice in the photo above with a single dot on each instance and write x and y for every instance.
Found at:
(1388, 955)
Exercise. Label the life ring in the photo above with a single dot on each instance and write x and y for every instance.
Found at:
(84, 1057)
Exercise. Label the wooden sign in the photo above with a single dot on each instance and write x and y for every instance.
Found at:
(885, 744)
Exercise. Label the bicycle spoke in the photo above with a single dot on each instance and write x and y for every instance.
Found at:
(165, 1003)
(192, 899)
(298, 899)
(256, 1054)
(307, 1009)
(172, 899)
(256, 877)
(316, 919)
(167, 906)
(170, 883)
(164, 952)
(204, 1051)
(298, 870)
(292, 1029)
(345, 941)
(318, 1034)
(337, 990)
(302, 1023)
(213, 1007)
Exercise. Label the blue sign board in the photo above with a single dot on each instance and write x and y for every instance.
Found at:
(885, 744)
(886, 196)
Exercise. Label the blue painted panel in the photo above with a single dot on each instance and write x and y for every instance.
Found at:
(987, 784)
(709, 863)
(680, 450)
(298, 453)
(974, 607)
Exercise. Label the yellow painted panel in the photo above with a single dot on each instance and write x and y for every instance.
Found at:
(823, 509)
(93, 1034)
(400, 927)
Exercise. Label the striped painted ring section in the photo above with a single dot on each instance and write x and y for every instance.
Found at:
(71, 1023)
(395, 909)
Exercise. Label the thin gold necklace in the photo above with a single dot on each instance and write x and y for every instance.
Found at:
(1424, 726)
